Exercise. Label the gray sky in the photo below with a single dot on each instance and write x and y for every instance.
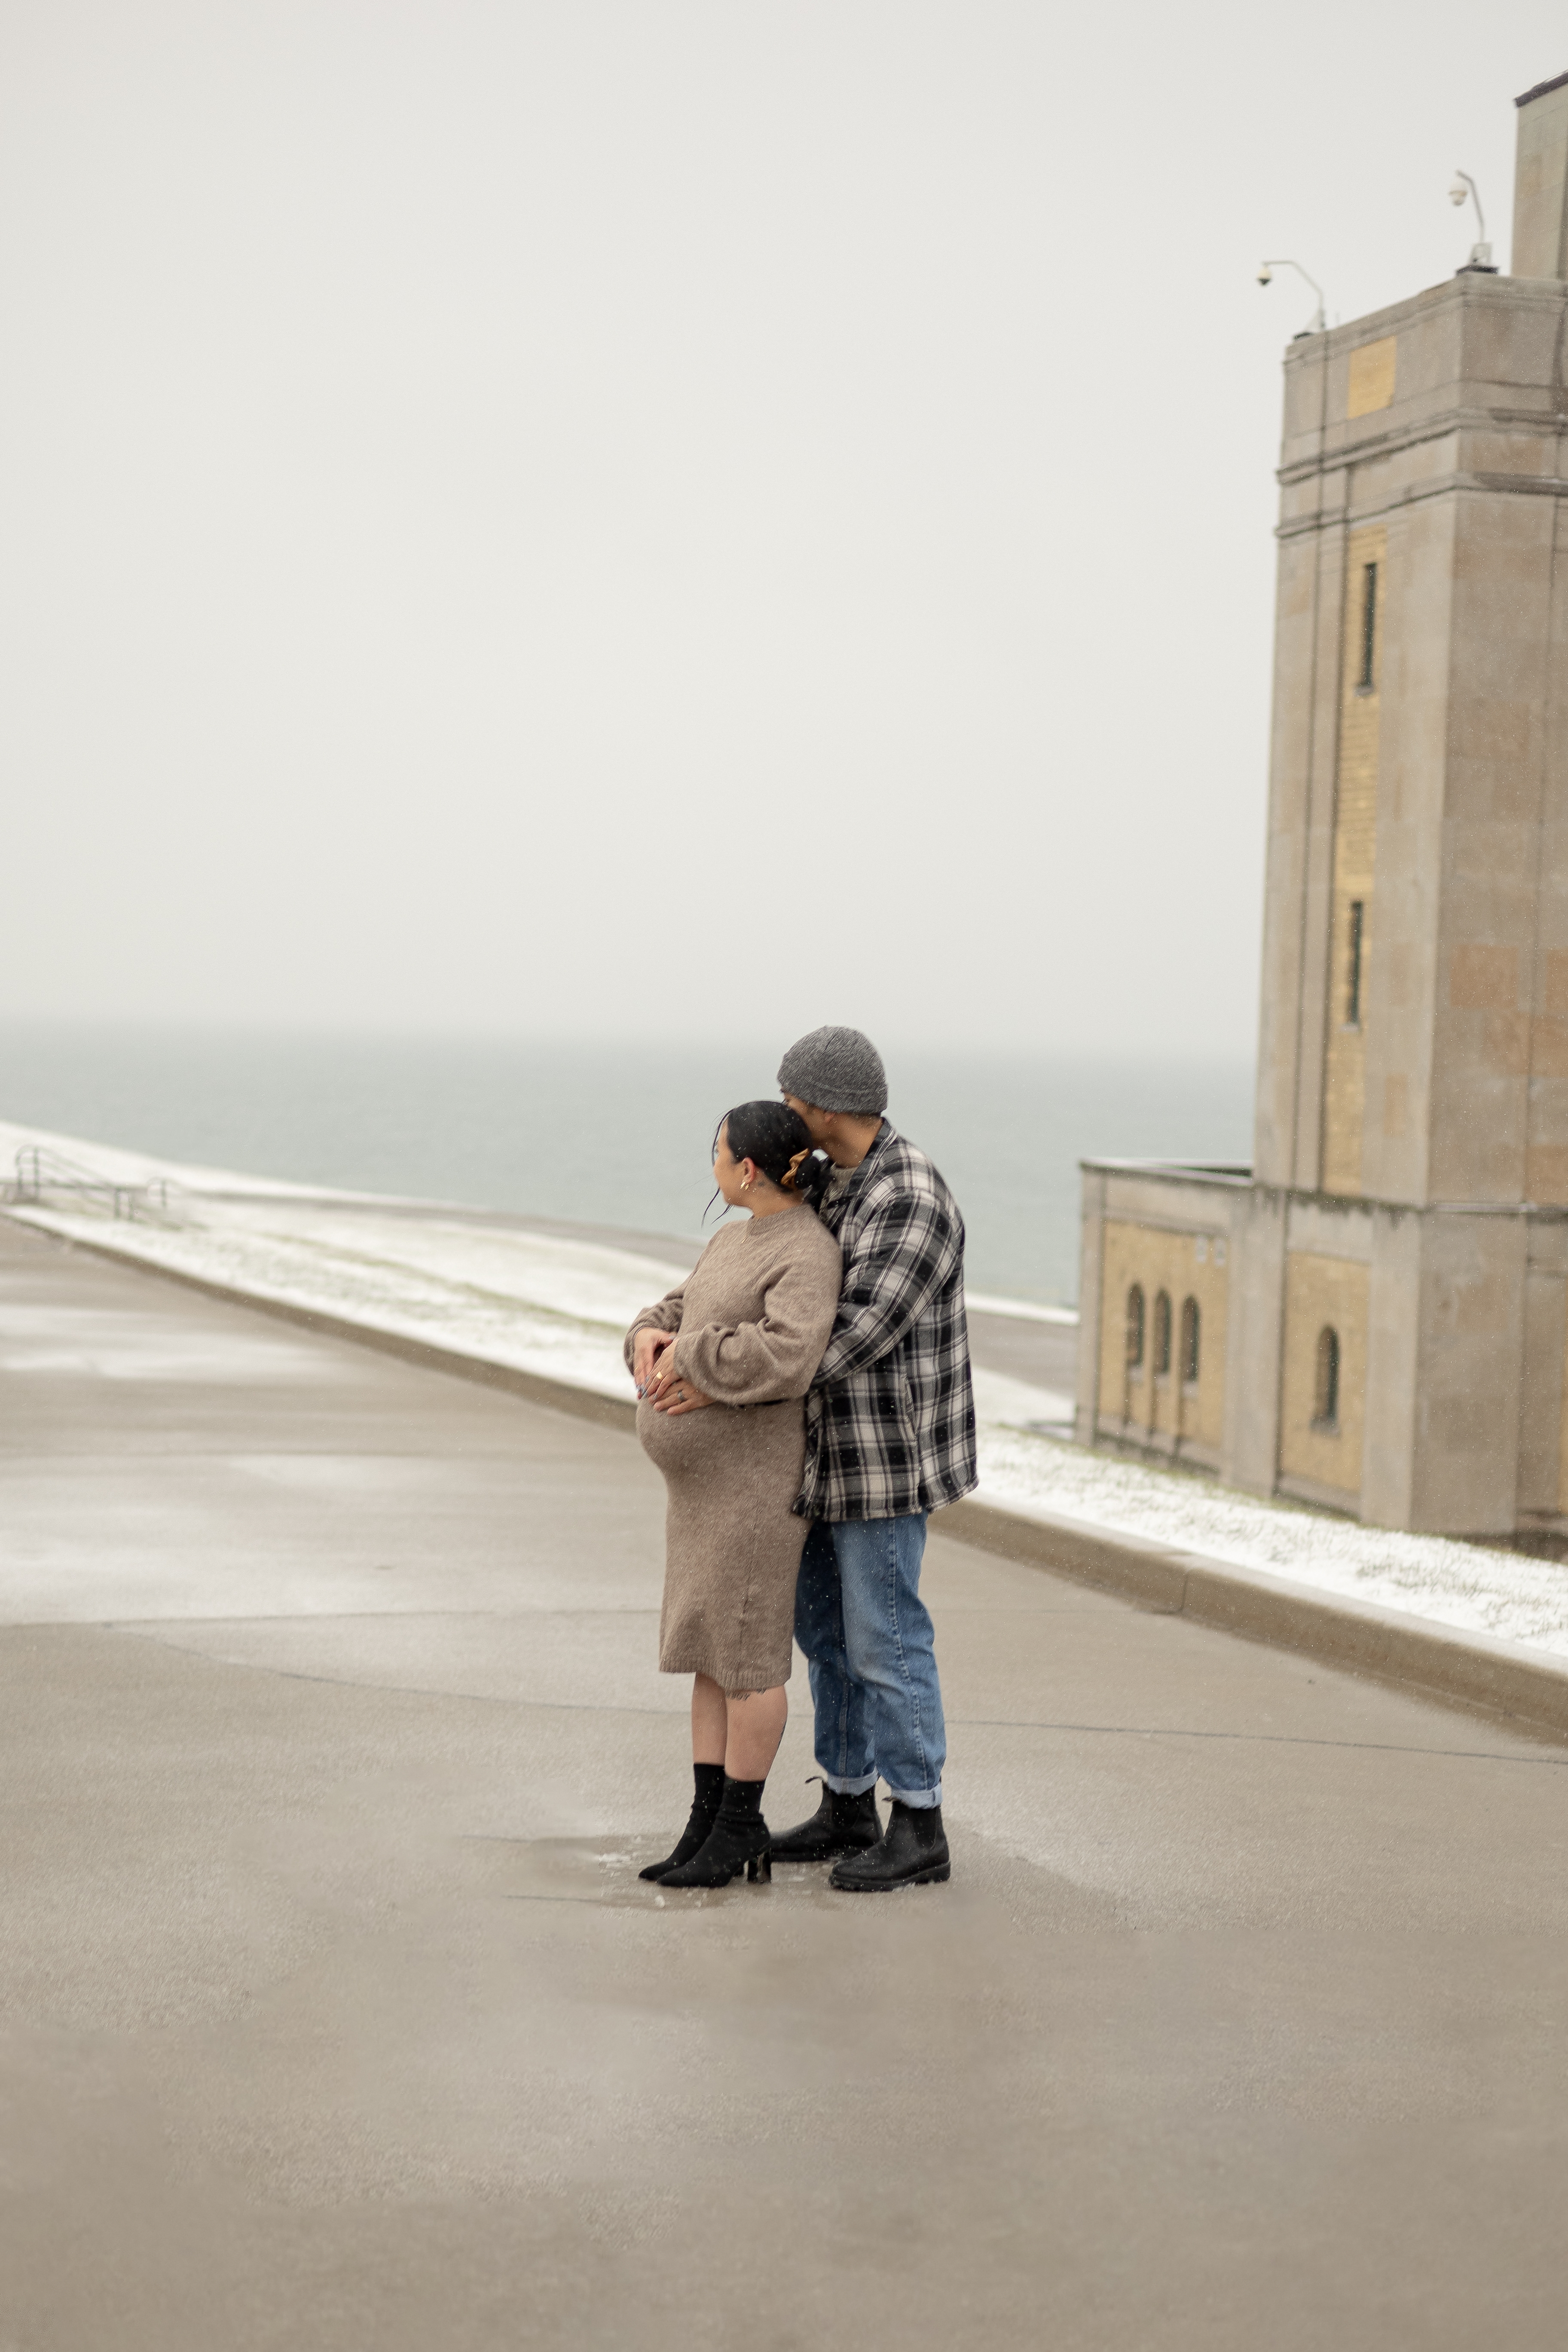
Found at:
(676, 518)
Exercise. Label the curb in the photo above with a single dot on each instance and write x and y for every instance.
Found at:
(1464, 1669)
(1472, 1669)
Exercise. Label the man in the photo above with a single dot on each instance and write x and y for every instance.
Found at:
(889, 1438)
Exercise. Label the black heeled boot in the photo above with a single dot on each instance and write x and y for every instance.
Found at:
(738, 1841)
(709, 1780)
(839, 1826)
(912, 1853)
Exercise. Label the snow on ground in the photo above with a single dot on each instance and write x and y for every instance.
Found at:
(1465, 1585)
(552, 1306)
(538, 1304)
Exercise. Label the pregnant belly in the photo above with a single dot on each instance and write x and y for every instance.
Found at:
(701, 1444)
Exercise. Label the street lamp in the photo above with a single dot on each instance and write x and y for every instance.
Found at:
(1480, 253)
(1317, 323)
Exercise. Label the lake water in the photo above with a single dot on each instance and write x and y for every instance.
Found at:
(615, 1134)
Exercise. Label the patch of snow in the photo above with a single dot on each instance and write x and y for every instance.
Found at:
(473, 1289)
(1468, 1586)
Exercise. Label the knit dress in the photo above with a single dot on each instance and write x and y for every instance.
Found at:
(754, 1318)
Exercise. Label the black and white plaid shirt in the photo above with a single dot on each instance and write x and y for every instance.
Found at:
(890, 1420)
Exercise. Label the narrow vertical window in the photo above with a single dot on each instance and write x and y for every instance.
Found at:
(1135, 1327)
(1163, 1334)
(1190, 1329)
(1352, 963)
(1364, 683)
(1326, 1386)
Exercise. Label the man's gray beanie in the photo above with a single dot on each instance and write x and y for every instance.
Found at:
(836, 1070)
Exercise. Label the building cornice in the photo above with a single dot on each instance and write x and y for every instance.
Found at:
(1238, 1179)
(1241, 1179)
(1345, 517)
(1539, 423)
(1542, 90)
(1465, 287)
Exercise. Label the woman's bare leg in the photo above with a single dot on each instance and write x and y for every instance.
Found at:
(709, 1726)
(709, 1721)
(756, 1727)
(747, 1728)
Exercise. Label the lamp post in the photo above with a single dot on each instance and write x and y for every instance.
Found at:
(1317, 324)
(1480, 253)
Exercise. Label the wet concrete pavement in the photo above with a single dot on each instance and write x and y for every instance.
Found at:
(334, 2015)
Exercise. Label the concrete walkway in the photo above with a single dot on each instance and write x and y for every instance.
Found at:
(336, 2018)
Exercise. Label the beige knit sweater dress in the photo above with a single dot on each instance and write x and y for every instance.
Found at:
(754, 1318)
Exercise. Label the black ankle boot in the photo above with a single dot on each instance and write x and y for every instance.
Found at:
(912, 1853)
(709, 1780)
(738, 1841)
(839, 1826)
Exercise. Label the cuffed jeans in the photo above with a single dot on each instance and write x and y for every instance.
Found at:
(866, 1634)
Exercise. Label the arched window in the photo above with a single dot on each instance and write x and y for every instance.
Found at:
(1189, 1339)
(1326, 1386)
(1163, 1334)
(1135, 1327)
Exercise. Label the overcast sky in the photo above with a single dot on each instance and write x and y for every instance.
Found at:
(632, 516)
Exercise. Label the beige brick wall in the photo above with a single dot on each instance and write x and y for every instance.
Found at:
(1322, 1291)
(1183, 1265)
(1356, 838)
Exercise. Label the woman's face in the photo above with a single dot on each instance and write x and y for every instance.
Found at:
(730, 1174)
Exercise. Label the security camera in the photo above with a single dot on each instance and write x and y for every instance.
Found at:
(1265, 278)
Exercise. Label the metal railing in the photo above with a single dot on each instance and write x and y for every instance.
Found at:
(45, 1178)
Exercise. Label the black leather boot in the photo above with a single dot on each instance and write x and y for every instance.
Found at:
(738, 1841)
(913, 1852)
(839, 1826)
(710, 1790)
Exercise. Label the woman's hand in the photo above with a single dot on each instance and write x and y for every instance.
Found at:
(667, 1392)
(648, 1348)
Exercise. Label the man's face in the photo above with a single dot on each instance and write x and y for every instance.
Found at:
(818, 1123)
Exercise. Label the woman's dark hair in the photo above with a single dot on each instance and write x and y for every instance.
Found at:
(776, 1136)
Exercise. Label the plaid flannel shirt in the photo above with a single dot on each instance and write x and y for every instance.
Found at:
(890, 1419)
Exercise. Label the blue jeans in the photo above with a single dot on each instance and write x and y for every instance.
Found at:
(860, 1618)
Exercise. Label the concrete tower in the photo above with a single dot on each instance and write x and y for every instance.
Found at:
(1375, 1314)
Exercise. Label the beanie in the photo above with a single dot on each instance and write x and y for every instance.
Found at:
(836, 1070)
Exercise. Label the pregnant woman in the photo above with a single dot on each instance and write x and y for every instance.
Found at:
(722, 1366)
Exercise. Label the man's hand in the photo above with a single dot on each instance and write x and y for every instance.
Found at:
(650, 1345)
(667, 1392)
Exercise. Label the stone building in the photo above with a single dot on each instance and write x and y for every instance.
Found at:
(1374, 1315)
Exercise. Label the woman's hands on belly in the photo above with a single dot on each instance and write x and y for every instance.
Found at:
(648, 1348)
(667, 1392)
